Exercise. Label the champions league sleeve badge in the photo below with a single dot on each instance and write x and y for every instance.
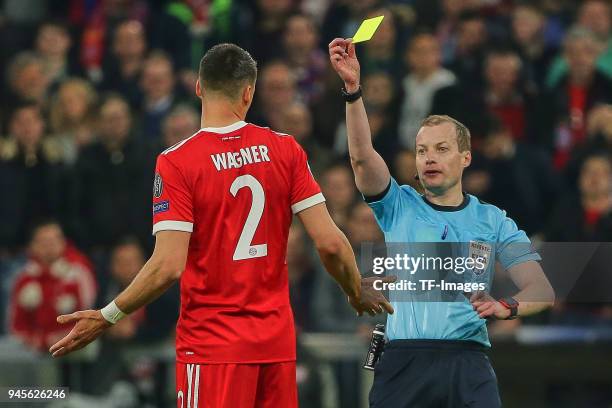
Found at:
(158, 186)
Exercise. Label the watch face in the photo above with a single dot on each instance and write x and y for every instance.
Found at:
(512, 302)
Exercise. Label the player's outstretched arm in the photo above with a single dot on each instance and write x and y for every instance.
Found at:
(371, 172)
(163, 269)
(338, 258)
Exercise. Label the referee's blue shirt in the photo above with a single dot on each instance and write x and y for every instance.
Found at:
(405, 216)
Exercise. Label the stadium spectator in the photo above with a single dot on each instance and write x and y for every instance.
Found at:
(585, 216)
(123, 68)
(307, 62)
(266, 40)
(277, 90)
(338, 188)
(53, 44)
(404, 168)
(472, 39)
(56, 278)
(100, 23)
(111, 181)
(528, 37)
(32, 172)
(505, 96)
(297, 122)
(595, 16)
(379, 53)
(383, 108)
(517, 176)
(599, 140)
(182, 122)
(27, 79)
(159, 95)
(153, 323)
(302, 272)
(72, 117)
(425, 77)
(567, 104)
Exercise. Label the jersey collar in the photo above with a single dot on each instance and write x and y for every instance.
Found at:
(225, 129)
(448, 208)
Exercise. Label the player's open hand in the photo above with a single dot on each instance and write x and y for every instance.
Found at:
(372, 301)
(89, 326)
(487, 307)
(344, 61)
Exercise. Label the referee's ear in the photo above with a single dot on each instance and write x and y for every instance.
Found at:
(467, 158)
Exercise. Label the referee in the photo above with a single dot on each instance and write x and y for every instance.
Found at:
(435, 356)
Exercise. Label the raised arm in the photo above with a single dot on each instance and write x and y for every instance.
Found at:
(163, 269)
(371, 172)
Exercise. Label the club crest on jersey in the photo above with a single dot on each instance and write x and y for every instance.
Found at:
(158, 186)
(480, 250)
(160, 207)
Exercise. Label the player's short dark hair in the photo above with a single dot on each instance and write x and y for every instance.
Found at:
(226, 69)
(463, 133)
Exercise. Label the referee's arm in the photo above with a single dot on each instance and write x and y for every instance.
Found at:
(371, 172)
(536, 293)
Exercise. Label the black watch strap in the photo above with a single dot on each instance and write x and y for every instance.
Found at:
(351, 97)
(511, 304)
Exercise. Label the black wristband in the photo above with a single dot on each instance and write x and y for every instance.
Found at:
(511, 304)
(351, 97)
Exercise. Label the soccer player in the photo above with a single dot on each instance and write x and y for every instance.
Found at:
(223, 203)
(435, 354)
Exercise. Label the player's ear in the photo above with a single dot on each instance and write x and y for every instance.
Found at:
(198, 89)
(247, 94)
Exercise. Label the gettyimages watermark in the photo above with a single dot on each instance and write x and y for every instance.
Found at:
(451, 271)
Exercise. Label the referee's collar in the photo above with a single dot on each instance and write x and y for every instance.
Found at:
(449, 208)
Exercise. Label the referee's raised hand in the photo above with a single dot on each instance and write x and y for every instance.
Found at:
(344, 61)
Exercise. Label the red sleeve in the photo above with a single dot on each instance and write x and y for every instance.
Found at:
(305, 191)
(172, 198)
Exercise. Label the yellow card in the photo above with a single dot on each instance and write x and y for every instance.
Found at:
(367, 29)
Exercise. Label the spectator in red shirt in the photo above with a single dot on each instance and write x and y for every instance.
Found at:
(566, 105)
(55, 279)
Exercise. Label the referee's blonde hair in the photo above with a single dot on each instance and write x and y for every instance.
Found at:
(463, 133)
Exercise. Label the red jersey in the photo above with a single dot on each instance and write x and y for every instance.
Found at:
(235, 189)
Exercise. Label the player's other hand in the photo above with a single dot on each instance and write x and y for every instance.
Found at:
(89, 326)
(487, 307)
(344, 61)
(372, 301)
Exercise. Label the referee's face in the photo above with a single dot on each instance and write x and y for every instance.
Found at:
(439, 162)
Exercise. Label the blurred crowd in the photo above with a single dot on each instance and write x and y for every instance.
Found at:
(92, 91)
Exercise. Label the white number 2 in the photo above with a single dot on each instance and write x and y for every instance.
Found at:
(244, 249)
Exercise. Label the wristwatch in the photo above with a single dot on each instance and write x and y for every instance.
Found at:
(512, 304)
(351, 97)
